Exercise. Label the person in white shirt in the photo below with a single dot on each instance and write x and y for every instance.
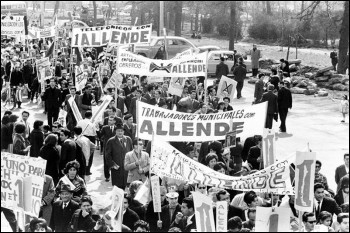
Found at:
(87, 147)
(89, 129)
(309, 220)
(247, 200)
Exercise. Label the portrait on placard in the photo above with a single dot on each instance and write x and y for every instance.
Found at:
(74, 59)
(230, 139)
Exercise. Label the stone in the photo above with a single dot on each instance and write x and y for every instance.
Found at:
(335, 80)
(252, 80)
(302, 84)
(345, 80)
(292, 68)
(335, 75)
(311, 85)
(325, 69)
(297, 90)
(294, 61)
(308, 75)
(322, 93)
(328, 73)
(322, 79)
(346, 88)
(310, 91)
(339, 87)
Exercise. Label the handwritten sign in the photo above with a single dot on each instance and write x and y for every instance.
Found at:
(203, 206)
(221, 216)
(157, 202)
(269, 147)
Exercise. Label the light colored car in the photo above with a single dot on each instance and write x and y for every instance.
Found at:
(214, 59)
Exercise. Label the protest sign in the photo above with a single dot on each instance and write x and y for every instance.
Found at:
(274, 219)
(226, 88)
(80, 78)
(12, 25)
(115, 81)
(114, 35)
(41, 76)
(157, 202)
(117, 208)
(155, 79)
(304, 180)
(38, 33)
(221, 216)
(143, 195)
(75, 109)
(187, 52)
(167, 161)
(195, 65)
(230, 139)
(203, 206)
(101, 108)
(176, 86)
(269, 147)
(43, 62)
(62, 117)
(16, 188)
(178, 126)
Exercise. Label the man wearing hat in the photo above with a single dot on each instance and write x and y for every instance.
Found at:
(284, 101)
(169, 211)
(116, 149)
(272, 108)
(63, 210)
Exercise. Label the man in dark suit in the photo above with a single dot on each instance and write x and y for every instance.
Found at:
(129, 127)
(86, 100)
(342, 170)
(221, 69)
(112, 112)
(130, 217)
(169, 212)
(240, 73)
(68, 150)
(272, 107)
(149, 94)
(107, 132)
(189, 103)
(116, 148)
(63, 210)
(322, 203)
(129, 88)
(52, 96)
(157, 100)
(151, 216)
(130, 97)
(259, 89)
(71, 121)
(284, 101)
(133, 104)
(186, 220)
(254, 155)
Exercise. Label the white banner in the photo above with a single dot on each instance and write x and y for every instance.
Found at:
(274, 219)
(226, 88)
(203, 206)
(117, 208)
(75, 109)
(115, 80)
(269, 147)
(101, 108)
(43, 62)
(167, 161)
(22, 181)
(157, 202)
(12, 25)
(176, 86)
(178, 126)
(114, 35)
(188, 66)
(38, 33)
(221, 216)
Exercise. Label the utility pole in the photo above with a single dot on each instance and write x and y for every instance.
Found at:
(42, 13)
(161, 17)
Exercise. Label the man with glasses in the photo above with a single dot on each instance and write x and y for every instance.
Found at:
(309, 221)
(319, 178)
(322, 203)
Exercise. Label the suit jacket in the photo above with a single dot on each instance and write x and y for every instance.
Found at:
(271, 98)
(128, 100)
(339, 173)
(240, 73)
(259, 90)
(115, 155)
(160, 102)
(129, 165)
(52, 98)
(83, 107)
(284, 98)
(60, 218)
(148, 97)
(107, 133)
(132, 108)
(48, 196)
(183, 224)
(130, 218)
(221, 69)
(329, 205)
(68, 153)
(127, 91)
(36, 142)
(253, 154)
(165, 217)
(118, 120)
(339, 198)
(130, 132)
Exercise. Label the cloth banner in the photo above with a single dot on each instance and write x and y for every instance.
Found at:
(115, 81)
(38, 33)
(143, 195)
(157, 202)
(75, 109)
(226, 88)
(221, 216)
(178, 126)
(203, 206)
(155, 79)
(187, 52)
(101, 108)
(43, 62)
(304, 181)
(113, 35)
(269, 147)
(117, 208)
(274, 219)
(176, 86)
(167, 161)
(22, 181)
(12, 25)
(188, 66)
(62, 117)
(80, 78)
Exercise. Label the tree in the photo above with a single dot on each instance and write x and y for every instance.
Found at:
(232, 25)
(57, 5)
(344, 40)
(268, 8)
(178, 17)
(95, 13)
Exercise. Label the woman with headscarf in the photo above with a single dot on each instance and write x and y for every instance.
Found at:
(5, 133)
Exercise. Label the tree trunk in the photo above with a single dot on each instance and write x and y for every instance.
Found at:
(196, 19)
(268, 8)
(344, 40)
(57, 5)
(302, 6)
(95, 12)
(142, 15)
(288, 47)
(232, 25)
(156, 17)
(178, 17)
(133, 12)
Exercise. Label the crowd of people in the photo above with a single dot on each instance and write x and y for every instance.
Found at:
(69, 146)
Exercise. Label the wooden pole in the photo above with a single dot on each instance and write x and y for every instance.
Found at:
(206, 80)
(165, 45)
(161, 16)
(116, 87)
(288, 47)
(300, 221)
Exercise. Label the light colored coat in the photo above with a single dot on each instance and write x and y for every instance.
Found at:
(255, 55)
(48, 196)
(134, 171)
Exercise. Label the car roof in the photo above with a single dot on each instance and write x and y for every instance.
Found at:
(220, 51)
(169, 37)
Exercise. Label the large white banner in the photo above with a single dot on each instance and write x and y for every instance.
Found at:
(22, 181)
(38, 33)
(167, 161)
(12, 25)
(188, 66)
(226, 88)
(203, 207)
(178, 126)
(114, 35)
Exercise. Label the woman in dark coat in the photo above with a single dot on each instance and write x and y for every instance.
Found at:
(6, 135)
(50, 154)
(13, 119)
(36, 138)
(20, 144)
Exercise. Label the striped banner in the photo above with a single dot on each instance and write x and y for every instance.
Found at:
(101, 108)
(75, 109)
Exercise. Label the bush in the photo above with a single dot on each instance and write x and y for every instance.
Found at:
(263, 27)
(223, 29)
(207, 25)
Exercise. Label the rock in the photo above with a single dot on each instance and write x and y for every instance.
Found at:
(322, 93)
(328, 73)
(322, 79)
(265, 71)
(345, 80)
(335, 80)
(308, 75)
(346, 88)
(335, 75)
(252, 80)
(325, 69)
(297, 90)
(302, 84)
(292, 68)
(311, 85)
(310, 91)
(294, 61)
(339, 87)
(327, 85)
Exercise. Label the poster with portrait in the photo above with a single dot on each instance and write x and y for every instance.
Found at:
(230, 139)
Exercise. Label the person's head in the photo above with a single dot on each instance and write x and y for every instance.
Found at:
(204, 108)
(111, 120)
(261, 75)
(281, 84)
(25, 115)
(66, 193)
(51, 140)
(226, 100)
(129, 119)
(157, 94)
(38, 225)
(185, 91)
(318, 166)
(174, 229)
(134, 187)
(138, 93)
(345, 207)
(138, 145)
(211, 159)
(223, 195)
(220, 167)
(126, 202)
(52, 83)
(325, 218)
(202, 188)
(72, 169)
(55, 126)
(88, 114)
(187, 207)
(221, 106)
(193, 94)
(7, 113)
(346, 159)
(72, 90)
(173, 198)
(86, 204)
(163, 192)
(119, 130)
(77, 130)
(222, 59)
(309, 221)
(254, 46)
(270, 87)
(251, 199)
(252, 215)
(13, 118)
(129, 82)
(141, 226)
(319, 191)
(234, 224)
(343, 220)
(344, 183)
(150, 89)
(64, 134)
(20, 128)
(5, 120)
(38, 124)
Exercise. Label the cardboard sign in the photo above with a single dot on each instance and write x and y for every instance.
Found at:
(167, 161)
(272, 219)
(80, 78)
(203, 206)
(221, 216)
(176, 86)
(43, 62)
(101, 108)
(75, 109)
(230, 140)
(157, 202)
(38, 33)
(226, 88)
(12, 25)
(114, 35)
(178, 126)
(117, 208)
(269, 147)
(22, 181)
(304, 180)
(143, 195)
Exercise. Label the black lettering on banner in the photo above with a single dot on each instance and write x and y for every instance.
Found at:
(276, 180)
(146, 127)
(237, 127)
(302, 197)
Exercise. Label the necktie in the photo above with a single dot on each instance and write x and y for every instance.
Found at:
(64, 206)
(121, 142)
(112, 129)
(318, 207)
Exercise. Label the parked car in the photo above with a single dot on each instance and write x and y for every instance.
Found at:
(208, 48)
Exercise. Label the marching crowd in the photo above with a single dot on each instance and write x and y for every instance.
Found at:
(69, 146)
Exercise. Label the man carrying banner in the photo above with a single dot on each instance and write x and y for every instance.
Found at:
(169, 211)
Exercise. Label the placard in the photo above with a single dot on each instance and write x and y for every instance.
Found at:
(274, 219)
(12, 25)
(157, 202)
(269, 147)
(221, 216)
(203, 206)
(226, 88)
(176, 86)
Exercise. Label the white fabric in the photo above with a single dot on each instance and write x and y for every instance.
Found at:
(88, 128)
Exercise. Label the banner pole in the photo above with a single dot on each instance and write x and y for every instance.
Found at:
(116, 87)
(206, 79)
(300, 221)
